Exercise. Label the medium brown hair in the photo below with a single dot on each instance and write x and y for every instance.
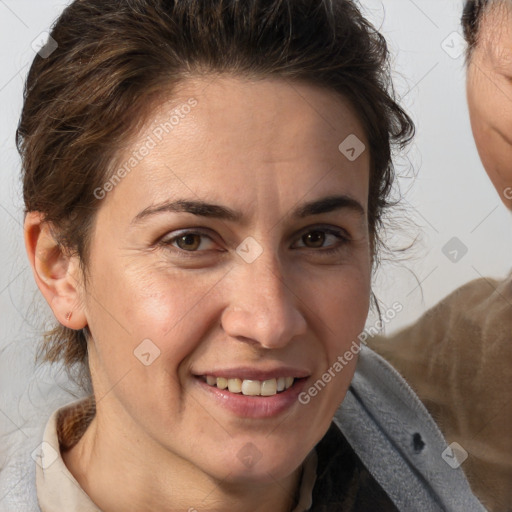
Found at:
(116, 58)
(472, 15)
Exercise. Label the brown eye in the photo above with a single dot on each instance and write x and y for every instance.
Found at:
(314, 239)
(189, 242)
(322, 240)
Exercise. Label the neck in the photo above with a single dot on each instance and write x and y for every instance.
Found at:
(147, 477)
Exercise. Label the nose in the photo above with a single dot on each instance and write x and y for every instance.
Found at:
(263, 307)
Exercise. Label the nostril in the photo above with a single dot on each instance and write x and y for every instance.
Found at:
(417, 443)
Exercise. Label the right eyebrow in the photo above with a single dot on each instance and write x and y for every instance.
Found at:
(199, 208)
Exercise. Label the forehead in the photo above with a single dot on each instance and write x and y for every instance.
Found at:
(266, 142)
(221, 123)
(231, 104)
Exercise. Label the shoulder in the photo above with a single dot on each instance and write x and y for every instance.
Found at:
(472, 324)
(479, 297)
(397, 440)
(33, 450)
(474, 302)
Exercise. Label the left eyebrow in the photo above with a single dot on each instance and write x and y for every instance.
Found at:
(330, 204)
(203, 209)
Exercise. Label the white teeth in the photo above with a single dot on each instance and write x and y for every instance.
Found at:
(250, 387)
(235, 385)
(269, 387)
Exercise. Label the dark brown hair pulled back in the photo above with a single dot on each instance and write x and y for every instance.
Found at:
(117, 58)
(471, 17)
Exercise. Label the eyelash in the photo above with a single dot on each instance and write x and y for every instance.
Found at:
(343, 239)
(340, 234)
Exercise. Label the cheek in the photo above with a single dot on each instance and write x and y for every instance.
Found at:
(350, 318)
(341, 300)
(490, 113)
(479, 116)
(133, 302)
(495, 152)
(172, 308)
(348, 309)
(481, 97)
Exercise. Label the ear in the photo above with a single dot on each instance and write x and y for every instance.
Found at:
(58, 275)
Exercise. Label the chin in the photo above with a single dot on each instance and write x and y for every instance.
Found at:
(263, 465)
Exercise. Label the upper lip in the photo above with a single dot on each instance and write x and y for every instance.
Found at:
(251, 373)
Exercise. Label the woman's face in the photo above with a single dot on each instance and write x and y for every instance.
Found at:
(489, 90)
(236, 248)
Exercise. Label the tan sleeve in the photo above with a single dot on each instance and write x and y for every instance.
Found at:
(458, 359)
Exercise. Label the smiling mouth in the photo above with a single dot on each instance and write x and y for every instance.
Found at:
(248, 387)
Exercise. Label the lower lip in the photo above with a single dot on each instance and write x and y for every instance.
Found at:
(254, 406)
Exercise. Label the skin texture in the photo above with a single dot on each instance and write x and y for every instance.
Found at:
(489, 93)
(263, 148)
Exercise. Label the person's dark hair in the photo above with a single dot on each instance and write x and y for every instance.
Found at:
(471, 18)
(116, 59)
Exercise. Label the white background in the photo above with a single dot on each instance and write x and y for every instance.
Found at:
(446, 192)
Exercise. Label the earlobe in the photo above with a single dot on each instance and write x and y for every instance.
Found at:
(57, 274)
